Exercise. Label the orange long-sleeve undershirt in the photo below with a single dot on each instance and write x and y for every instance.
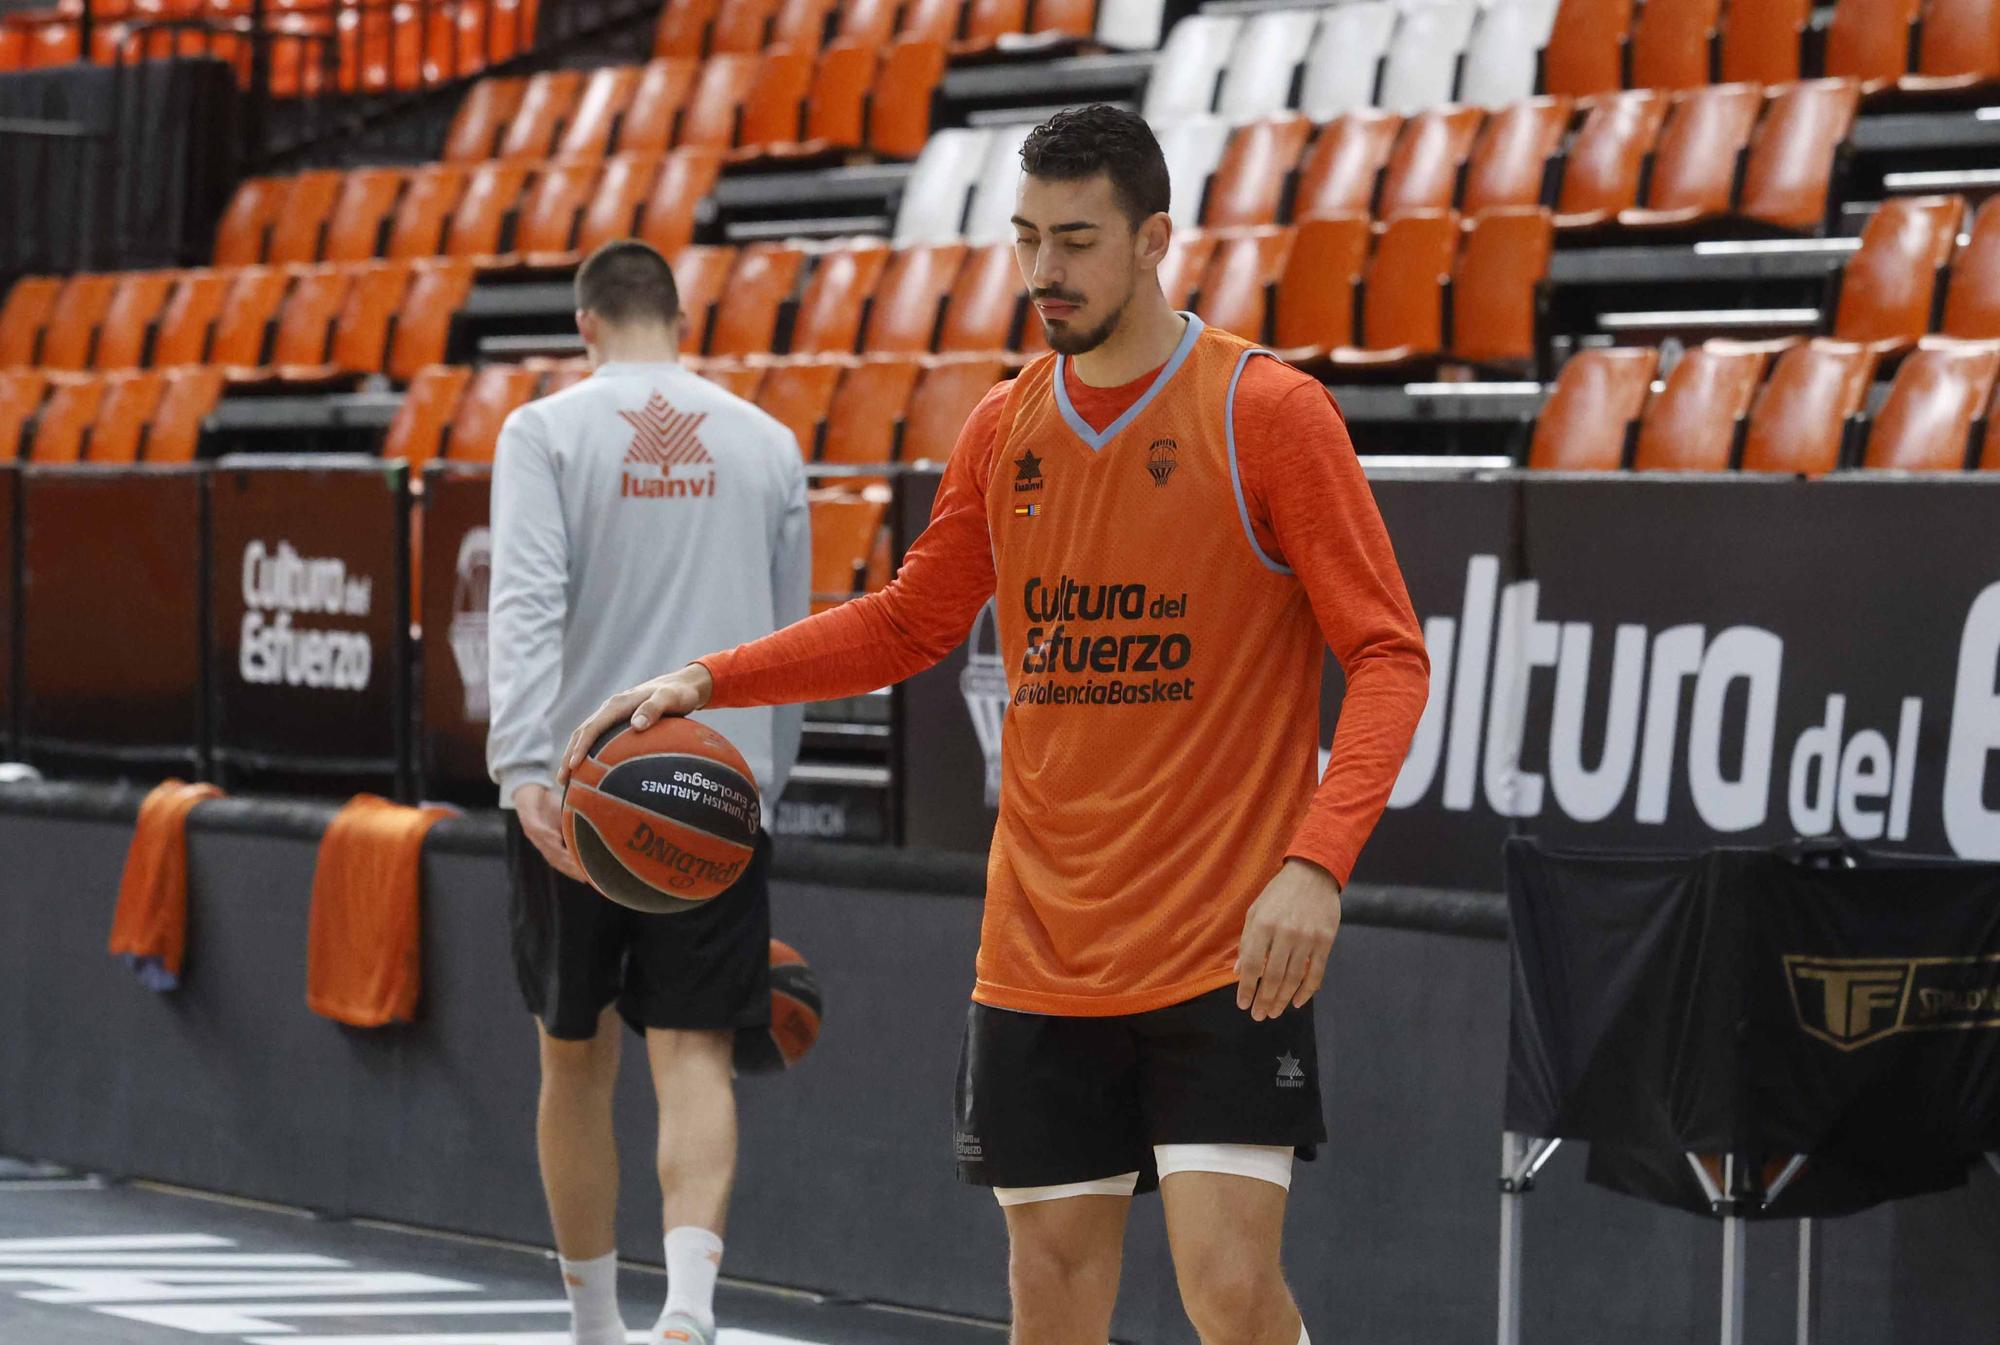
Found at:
(1310, 508)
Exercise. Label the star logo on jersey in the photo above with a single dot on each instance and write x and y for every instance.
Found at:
(1289, 1073)
(669, 442)
(1161, 459)
(1027, 471)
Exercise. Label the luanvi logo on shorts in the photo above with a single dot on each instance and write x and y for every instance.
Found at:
(667, 440)
(1851, 1002)
(1289, 1073)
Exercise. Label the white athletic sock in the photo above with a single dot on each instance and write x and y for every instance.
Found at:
(592, 1287)
(694, 1259)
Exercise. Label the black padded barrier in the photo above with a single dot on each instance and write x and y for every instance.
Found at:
(231, 1084)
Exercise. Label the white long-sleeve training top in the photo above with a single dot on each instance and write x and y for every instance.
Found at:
(641, 518)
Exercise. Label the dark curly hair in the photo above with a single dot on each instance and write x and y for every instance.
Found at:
(1081, 142)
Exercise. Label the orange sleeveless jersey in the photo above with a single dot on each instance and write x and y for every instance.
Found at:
(1163, 676)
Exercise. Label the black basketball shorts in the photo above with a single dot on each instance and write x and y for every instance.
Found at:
(1048, 1101)
(575, 951)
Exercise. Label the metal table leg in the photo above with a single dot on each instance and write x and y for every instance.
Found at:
(1808, 1315)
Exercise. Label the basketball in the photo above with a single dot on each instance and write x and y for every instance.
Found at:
(662, 819)
(795, 1014)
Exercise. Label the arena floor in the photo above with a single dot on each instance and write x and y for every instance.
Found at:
(86, 1263)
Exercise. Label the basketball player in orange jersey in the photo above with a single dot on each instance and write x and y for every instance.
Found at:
(1175, 525)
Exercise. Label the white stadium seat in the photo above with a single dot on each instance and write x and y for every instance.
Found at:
(1345, 58)
(1130, 25)
(991, 218)
(1267, 55)
(1500, 60)
(1193, 148)
(1183, 80)
(934, 195)
(1422, 67)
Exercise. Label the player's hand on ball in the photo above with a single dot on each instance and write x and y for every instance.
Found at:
(1286, 940)
(677, 693)
(541, 821)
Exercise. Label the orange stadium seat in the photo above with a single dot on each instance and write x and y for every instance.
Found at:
(988, 21)
(667, 216)
(130, 320)
(1584, 423)
(438, 289)
(1339, 173)
(1691, 424)
(305, 324)
(1673, 41)
(899, 104)
(835, 107)
(1249, 184)
(866, 414)
(1423, 170)
(1869, 40)
(1793, 154)
(773, 110)
(361, 328)
(944, 395)
(1504, 255)
(1926, 423)
(1243, 273)
(1585, 53)
(1801, 416)
(985, 302)
(483, 116)
(716, 107)
(417, 431)
(844, 530)
(657, 99)
(71, 334)
(1761, 41)
(607, 96)
(545, 224)
(909, 298)
(683, 28)
(432, 197)
(1181, 271)
(239, 238)
(51, 44)
(130, 400)
(1316, 292)
(1958, 46)
(799, 391)
(746, 313)
(1403, 295)
(1069, 18)
(1972, 301)
(1989, 455)
(836, 298)
(13, 56)
(21, 393)
(190, 317)
(495, 391)
(23, 317)
(300, 221)
(931, 20)
(356, 229)
(872, 22)
(1510, 158)
(612, 210)
(700, 274)
(565, 374)
(175, 434)
(802, 24)
(1888, 288)
(1601, 173)
(65, 420)
(492, 191)
(1694, 161)
(547, 104)
(741, 26)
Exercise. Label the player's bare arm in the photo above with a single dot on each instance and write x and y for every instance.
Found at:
(1287, 938)
(676, 693)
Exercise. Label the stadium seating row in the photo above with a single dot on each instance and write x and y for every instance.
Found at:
(136, 415)
(1911, 276)
(1718, 411)
(498, 215)
(326, 325)
(962, 27)
(1406, 55)
(780, 104)
(391, 45)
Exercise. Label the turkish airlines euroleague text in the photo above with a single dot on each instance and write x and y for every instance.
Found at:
(1168, 562)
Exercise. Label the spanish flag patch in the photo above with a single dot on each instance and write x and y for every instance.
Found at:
(1027, 510)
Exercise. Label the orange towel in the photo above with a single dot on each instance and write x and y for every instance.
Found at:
(149, 930)
(364, 947)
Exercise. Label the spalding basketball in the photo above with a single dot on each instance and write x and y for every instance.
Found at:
(795, 1010)
(663, 818)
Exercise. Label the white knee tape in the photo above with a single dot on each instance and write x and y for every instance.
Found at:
(1264, 1162)
(1122, 1185)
